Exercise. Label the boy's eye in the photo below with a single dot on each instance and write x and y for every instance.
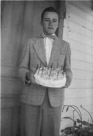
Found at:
(54, 20)
(46, 19)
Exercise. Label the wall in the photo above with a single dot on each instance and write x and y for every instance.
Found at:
(78, 31)
(11, 20)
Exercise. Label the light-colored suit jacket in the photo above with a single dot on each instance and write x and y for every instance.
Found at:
(34, 55)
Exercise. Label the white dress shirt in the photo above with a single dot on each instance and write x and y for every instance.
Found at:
(48, 42)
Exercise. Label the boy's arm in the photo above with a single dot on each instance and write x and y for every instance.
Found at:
(24, 68)
(67, 66)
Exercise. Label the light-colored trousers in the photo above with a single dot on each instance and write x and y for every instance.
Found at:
(42, 120)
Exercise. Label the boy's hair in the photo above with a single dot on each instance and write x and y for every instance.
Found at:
(49, 9)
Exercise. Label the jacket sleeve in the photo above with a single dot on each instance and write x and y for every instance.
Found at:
(67, 65)
(24, 62)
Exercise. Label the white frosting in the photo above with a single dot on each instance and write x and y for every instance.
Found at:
(50, 77)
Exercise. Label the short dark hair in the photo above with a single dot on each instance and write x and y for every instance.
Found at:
(49, 9)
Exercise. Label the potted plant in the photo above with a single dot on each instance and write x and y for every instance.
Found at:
(80, 127)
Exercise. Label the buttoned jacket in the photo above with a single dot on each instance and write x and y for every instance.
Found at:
(33, 56)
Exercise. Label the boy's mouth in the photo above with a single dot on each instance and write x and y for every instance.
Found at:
(50, 27)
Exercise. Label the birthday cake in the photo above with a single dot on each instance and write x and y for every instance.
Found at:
(50, 77)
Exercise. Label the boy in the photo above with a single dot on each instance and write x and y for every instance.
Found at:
(41, 106)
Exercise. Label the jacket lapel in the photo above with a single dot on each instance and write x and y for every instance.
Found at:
(39, 48)
(55, 52)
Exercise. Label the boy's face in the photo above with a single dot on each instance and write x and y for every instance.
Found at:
(50, 23)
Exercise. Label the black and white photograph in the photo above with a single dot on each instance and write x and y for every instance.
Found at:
(46, 68)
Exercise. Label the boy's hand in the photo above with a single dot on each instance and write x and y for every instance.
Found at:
(67, 85)
(30, 78)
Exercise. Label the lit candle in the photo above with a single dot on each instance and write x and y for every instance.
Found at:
(37, 69)
(50, 72)
(57, 73)
(57, 63)
(40, 65)
(42, 71)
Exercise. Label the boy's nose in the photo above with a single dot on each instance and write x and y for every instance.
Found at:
(50, 22)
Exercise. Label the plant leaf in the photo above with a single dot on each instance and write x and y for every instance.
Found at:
(68, 118)
(67, 108)
(79, 121)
